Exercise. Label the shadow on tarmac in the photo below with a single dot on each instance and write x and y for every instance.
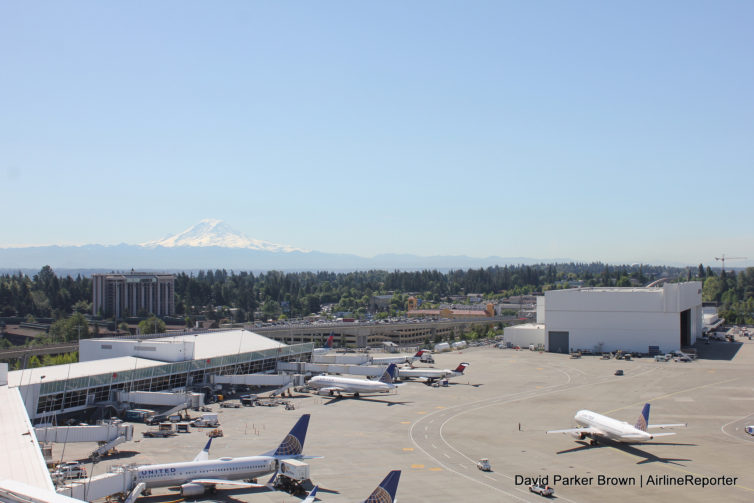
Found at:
(339, 398)
(630, 449)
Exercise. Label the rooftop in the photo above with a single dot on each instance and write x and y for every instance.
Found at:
(26, 463)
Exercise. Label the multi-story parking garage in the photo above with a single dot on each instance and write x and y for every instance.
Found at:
(158, 364)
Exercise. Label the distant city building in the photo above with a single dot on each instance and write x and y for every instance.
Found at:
(122, 295)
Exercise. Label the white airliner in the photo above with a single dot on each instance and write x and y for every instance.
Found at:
(432, 374)
(385, 492)
(597, 426)
(326, 348)
(397, 359)
(194, 477)
(330, 385)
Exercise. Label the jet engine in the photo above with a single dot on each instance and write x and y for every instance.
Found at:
(580, 436)
(192, 489)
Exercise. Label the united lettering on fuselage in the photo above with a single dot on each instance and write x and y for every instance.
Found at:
(194, 476)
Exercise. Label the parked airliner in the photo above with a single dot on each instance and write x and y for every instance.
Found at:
(194, 477)
(330, 385)
(385, 492)
(327, 347)
(398, 359)
(597, 426)
(432, 374)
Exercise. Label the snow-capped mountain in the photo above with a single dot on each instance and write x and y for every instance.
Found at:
(211, 232)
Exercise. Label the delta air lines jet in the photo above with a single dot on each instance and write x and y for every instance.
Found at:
(327, 347)
(432, 374)
(597, 426)
(330, 385)
(194, 477)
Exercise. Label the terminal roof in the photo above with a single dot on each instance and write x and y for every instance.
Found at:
(17, 437)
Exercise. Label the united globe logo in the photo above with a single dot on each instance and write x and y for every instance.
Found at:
(289, 446)
(380, 495)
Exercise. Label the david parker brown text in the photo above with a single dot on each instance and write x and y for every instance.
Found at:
(641, 481)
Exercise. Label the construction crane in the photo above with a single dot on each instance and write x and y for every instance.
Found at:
(724, 258)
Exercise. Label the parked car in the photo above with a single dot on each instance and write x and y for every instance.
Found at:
(542, 490)
(619, 372)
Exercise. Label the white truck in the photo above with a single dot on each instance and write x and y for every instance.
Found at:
(426, 357)
(207, 421)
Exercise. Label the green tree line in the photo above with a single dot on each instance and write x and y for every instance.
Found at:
(220, 293)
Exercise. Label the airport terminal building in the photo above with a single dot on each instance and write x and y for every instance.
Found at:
(162, 363)
(638, 320)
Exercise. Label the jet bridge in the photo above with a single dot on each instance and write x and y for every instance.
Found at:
(108, 435)
(330, 368)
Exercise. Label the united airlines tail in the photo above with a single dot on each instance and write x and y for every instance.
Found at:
(385, 492)
(389, 374)
(293, 444)
(643, 421)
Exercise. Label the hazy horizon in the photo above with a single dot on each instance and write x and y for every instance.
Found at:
(605, 132)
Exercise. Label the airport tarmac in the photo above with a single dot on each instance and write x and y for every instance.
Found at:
(500, 410)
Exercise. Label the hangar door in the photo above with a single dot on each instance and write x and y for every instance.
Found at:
(557, 342)
(686, 328)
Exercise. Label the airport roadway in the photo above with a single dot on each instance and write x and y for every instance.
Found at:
(501, 410)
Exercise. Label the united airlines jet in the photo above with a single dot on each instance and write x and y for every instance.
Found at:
(385, 492)
(194, 477)
(597, 426)
(330, 385)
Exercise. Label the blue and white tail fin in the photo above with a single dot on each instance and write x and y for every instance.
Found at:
(311, 496)
(204, 453)
(389, 375)
(643, 421)
(385, 492)
(293, 444)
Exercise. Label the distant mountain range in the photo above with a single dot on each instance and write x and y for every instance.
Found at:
(212, 244)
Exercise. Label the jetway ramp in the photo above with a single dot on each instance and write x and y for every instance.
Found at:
(319, 368)
(254, 379)
(119, 481)
(97, 433)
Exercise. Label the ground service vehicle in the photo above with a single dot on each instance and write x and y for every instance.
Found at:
(542, 490)
(484, 465)
(70, 470)
(207, 421)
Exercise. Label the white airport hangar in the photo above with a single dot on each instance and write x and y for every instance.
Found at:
(636, 320)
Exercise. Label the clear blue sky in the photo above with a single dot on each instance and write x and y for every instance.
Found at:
(621, 132)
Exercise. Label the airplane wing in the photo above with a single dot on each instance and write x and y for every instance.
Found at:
(204, 453)
(217, 482)
(661, 426)
(590, 430)
(662, 434)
